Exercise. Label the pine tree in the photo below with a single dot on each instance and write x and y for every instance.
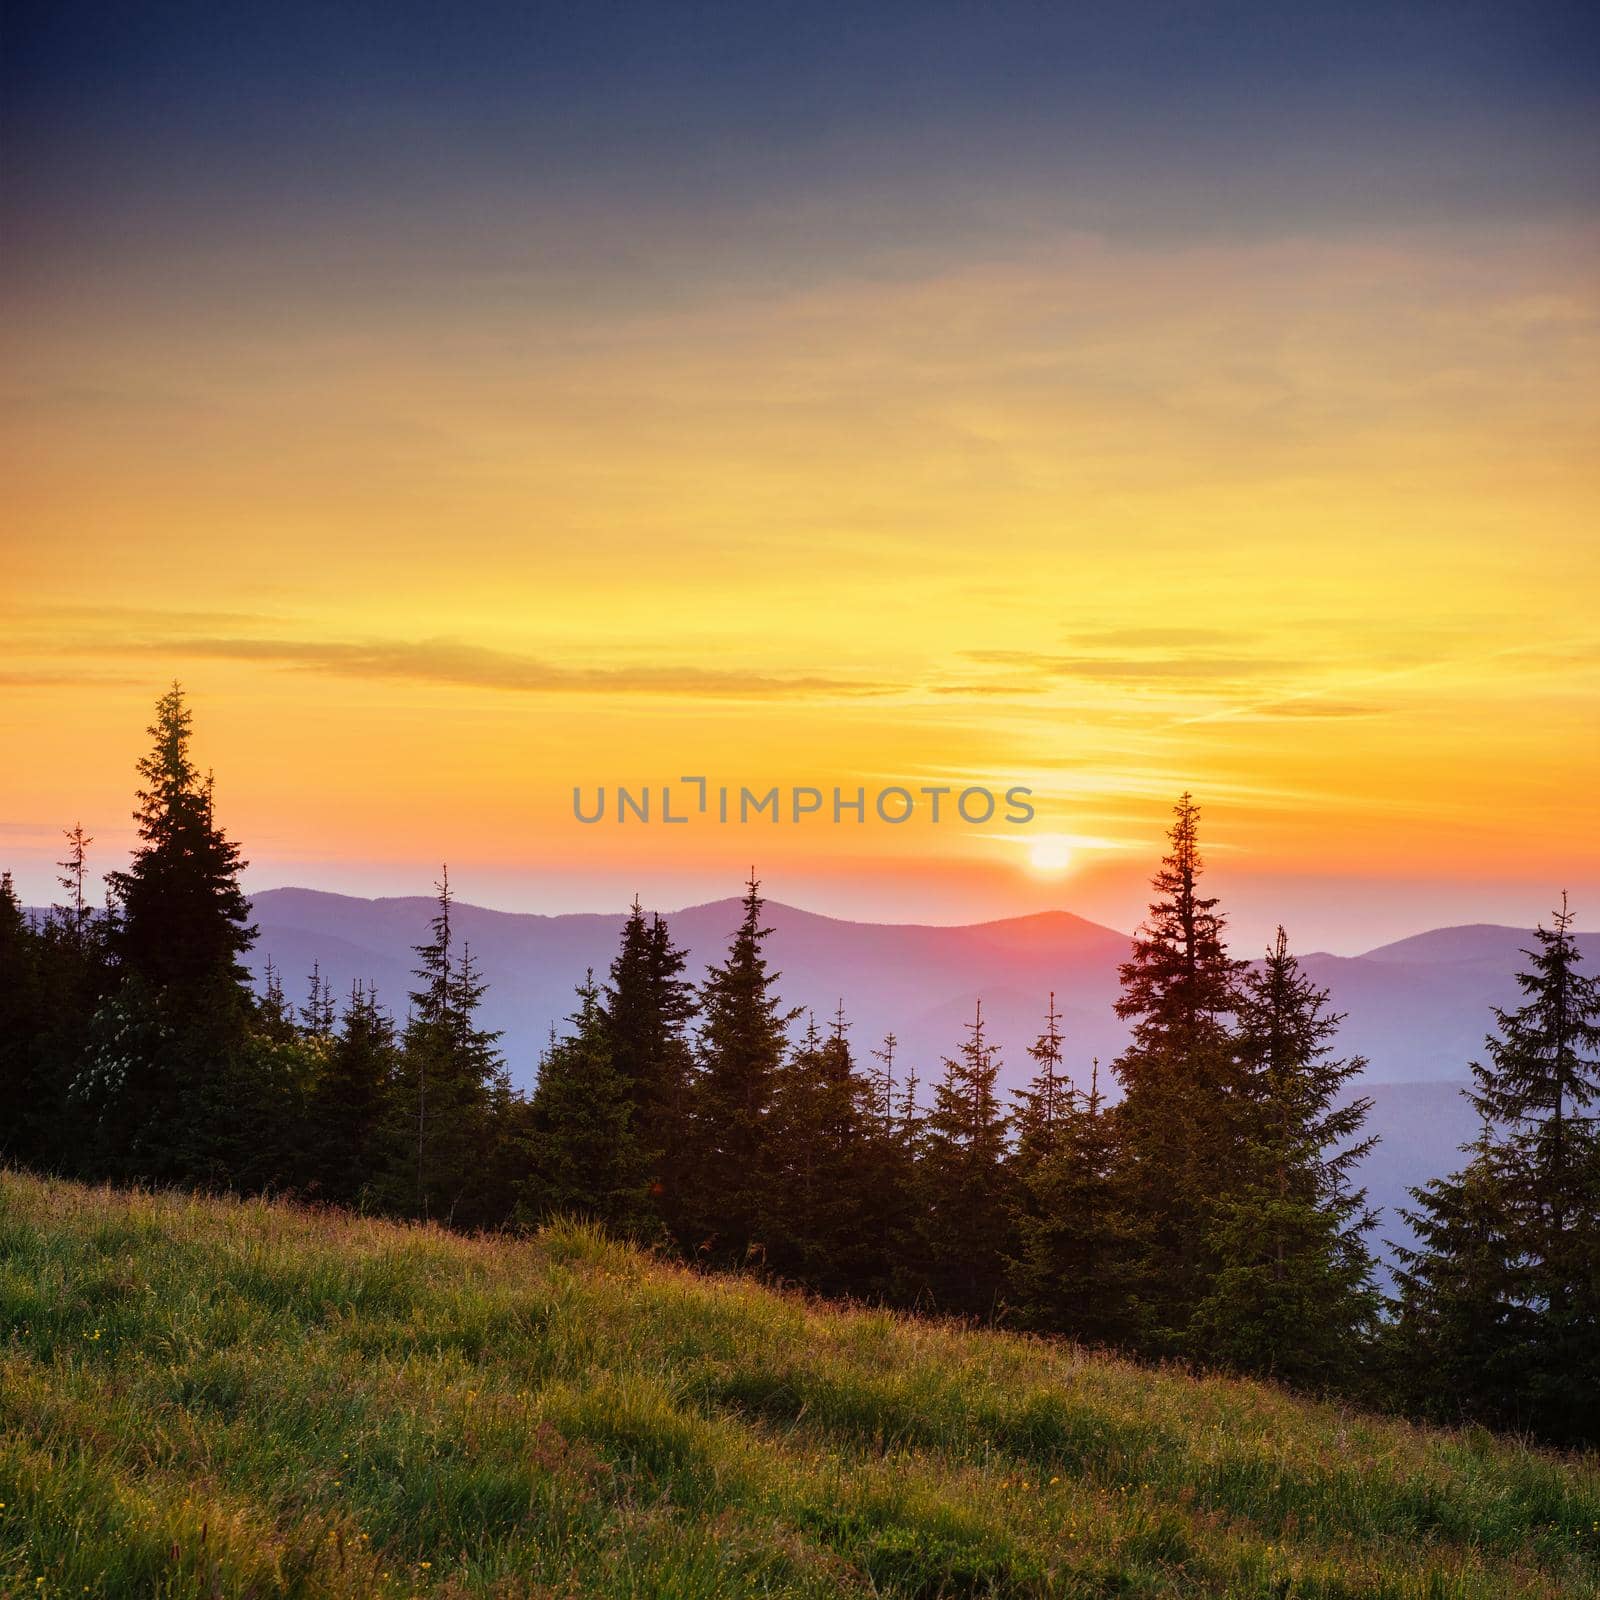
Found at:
(20, 1010)
(1041, 1105)
(1460, 1337)
(647, 1006)
(73, 974)
(1071, 1273)
(449, 1083)
(169, 1072)
(1179, 1122)
(351, 1104)
(74, 868)
(320, 1013)
(964, 1181)
(185, 921)
(584, 1158)
(1512, 1304)
(827, 1166)
(274, 1020)
(1293, 1295)
(741, 1047)
(883, 1104)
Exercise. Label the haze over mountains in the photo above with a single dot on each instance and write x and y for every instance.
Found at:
(1417, 1009)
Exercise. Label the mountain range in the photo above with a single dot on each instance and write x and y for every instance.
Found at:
(1417, 1009)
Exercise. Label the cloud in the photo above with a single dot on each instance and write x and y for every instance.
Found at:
(446, 661)
(57, 680)
(1312, 707)
(133, 616)
(995, 688)
(1124, 669)
(1156, 638)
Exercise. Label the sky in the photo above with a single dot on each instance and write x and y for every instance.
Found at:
(473, 403)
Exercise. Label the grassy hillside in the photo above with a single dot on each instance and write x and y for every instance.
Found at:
(211, 1398)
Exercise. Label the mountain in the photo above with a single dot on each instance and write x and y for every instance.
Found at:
(1417, 1009)
(921, 982)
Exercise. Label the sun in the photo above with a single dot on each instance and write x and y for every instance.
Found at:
(1050, 854)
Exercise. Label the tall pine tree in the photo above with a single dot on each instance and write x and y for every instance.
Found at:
(1293, 1295)
(450, 1087)
(1503, 1291)
(1179, 1121)
(964, 1181)
(741, 1047)
(646, 1006)
(584, 1158)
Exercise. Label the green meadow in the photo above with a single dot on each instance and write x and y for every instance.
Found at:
(204, 1397)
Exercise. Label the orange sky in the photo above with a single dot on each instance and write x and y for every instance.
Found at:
(1300, 519)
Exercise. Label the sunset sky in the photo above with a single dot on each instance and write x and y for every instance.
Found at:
(467, 403)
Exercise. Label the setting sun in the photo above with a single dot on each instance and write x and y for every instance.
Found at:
(1050, 854)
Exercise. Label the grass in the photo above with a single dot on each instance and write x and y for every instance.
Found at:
(207, 1397)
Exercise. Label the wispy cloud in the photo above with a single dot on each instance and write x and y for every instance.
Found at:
(998, 688)
(449, 662)
(1130, 668)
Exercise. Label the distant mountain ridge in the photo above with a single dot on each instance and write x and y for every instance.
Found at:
(1417, 1008)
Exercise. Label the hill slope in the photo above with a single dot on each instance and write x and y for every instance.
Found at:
(216, 1398)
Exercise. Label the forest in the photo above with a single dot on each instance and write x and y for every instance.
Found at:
(1190, 1201)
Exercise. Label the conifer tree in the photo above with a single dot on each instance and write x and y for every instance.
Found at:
(74, 869)
(1293, 1295)
(351, 1102)
(827, 1165)
(741, 1047)
(1503, 1290)
(320, 1012)
(449, 1083)
(964, 1181)
(1460, 1336)
(274, 1019)
(1179, 1121)
(185, 921)
(1041, 1105)
(19, 1025)
(169, 1077)
(647, 1006)
(72, 975)
(1072, 1272)
(883, 1102)
(584, 1158)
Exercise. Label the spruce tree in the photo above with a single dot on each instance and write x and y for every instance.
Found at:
(964, 1181)
(827, 1167)
(1292, 1296)
(450, 1084)
(646, 1007)
(351, 1102)
(741, 1047)
(1179, 1121)
(1460, 1337)
(20, 1017)
(185, 921)
(274, 1018)
(320, 1013)
(1041, 1105)
(584, 1157)
(169, 1078)
(1511, 1304)
(1071, 1272)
